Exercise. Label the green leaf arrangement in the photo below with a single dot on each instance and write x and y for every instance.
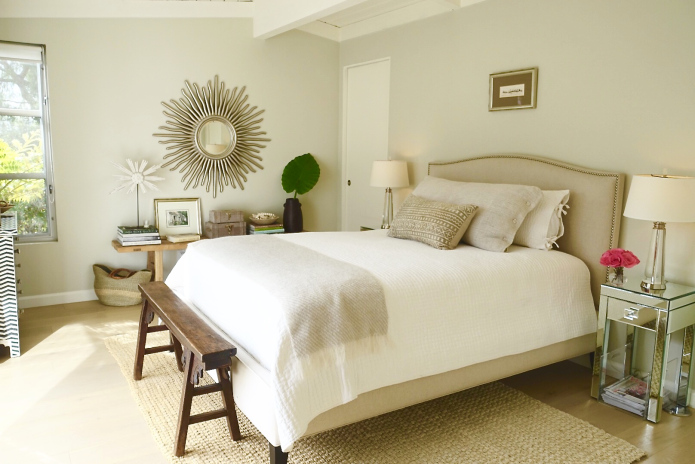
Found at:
(301, 174)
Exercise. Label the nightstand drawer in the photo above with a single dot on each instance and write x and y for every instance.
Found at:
(633, 314)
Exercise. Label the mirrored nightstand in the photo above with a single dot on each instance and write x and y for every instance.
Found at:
(643, 353)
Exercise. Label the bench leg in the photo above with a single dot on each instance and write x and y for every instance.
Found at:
(228, 401)
(178, 351)
(185, 407)
(277, 456)
(146, 316)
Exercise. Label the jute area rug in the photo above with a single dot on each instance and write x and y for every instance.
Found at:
(488, 424)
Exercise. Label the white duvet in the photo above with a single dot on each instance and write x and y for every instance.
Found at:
(447, 310)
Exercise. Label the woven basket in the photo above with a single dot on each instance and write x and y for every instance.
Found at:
(119, 287)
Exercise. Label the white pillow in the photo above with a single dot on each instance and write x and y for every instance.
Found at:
(501, 208)
(543, 225)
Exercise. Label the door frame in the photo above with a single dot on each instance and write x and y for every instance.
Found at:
(343, 143)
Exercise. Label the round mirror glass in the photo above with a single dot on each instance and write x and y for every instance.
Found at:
(216, 138)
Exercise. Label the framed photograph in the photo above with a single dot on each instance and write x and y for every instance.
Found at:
(513, 90)
(173, 216)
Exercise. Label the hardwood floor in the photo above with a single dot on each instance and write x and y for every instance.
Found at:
(65, 400)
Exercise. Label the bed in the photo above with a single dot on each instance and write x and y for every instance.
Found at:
(456, 319)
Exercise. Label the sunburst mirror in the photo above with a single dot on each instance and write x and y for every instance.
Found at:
(214, 136)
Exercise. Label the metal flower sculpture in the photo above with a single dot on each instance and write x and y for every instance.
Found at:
(135, 178)
(214, 136)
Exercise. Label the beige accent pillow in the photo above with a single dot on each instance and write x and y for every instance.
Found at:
(501, 208)
(439, 225)
(543, 225)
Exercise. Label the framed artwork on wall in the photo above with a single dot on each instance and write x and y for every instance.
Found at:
(173, 216)
(513, 90)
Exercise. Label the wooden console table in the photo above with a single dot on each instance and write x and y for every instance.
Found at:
(155, 254)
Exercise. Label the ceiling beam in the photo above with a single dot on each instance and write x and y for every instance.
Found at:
(273, 17)
(399, 17)
(321, 29)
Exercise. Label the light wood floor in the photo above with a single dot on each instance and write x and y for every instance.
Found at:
(65, 400)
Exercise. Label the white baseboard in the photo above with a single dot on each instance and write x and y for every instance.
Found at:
(49, 299)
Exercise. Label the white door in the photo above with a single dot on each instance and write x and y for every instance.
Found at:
(365, 139)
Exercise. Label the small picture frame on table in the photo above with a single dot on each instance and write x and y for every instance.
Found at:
(513, 90)
(173, 216)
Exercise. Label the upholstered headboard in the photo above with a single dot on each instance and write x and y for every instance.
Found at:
(592, 224)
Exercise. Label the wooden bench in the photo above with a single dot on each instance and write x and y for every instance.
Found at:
(197, 349)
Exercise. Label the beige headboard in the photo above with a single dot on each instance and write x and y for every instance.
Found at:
(592, 224)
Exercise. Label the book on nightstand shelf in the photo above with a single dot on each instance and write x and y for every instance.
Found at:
(139, 242)
(138, 237)
(253, 229)
(129, 230)
(183, 238)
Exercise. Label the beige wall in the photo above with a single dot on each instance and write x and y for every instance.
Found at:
(615, 92)
(107, 80)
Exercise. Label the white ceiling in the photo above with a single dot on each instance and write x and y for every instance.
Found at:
(334, 19)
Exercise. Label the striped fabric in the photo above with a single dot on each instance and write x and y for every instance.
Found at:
(437, 224)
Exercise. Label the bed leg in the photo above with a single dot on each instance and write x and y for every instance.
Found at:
(277, 456)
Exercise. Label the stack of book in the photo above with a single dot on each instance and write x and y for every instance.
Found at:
(267, 229)
(134, 236)
(628, 393)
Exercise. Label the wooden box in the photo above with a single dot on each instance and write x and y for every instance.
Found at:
(214, 230)
(221, 216)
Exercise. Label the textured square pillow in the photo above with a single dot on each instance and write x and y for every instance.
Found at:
(439, 225)
(543, 225)
(501, 208)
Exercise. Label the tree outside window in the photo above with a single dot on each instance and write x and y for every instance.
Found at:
(25, 168)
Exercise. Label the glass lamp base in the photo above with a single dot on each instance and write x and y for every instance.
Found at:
(651, 286)
(654, 268)
(387, 217)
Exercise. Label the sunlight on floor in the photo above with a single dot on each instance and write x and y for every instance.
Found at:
(65, 399)
(45, 373)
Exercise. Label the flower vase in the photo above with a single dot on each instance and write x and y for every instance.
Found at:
(617, 277)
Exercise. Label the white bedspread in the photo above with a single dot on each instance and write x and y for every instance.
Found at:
(446, 309)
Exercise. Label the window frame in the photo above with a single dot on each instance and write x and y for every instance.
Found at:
(45, 119)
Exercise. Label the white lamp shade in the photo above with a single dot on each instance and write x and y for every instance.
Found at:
(661, 198)
(388, 173)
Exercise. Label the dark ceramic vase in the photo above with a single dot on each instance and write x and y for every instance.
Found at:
(292, 218)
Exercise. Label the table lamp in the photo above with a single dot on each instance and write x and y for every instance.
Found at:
(660, 199)
(389, 174)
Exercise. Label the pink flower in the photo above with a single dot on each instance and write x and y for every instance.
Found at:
(617, 257)
(629, 259)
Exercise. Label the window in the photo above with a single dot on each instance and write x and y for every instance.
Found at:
(26, 171)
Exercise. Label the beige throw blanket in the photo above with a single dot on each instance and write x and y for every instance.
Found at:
(332, 312)
(327, 303)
